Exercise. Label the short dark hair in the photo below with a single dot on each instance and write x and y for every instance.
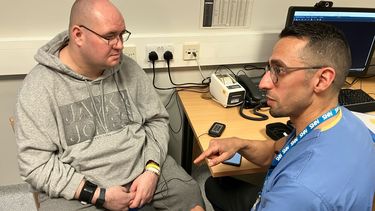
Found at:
(327, 46)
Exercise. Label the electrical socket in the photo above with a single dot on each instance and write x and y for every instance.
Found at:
(189, 49)
(159, 49)
(130, 51)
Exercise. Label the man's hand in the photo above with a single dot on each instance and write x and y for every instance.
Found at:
(144, 188)
(118, 198)
(219, 150)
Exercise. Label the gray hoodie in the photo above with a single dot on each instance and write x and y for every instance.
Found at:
(69, 127)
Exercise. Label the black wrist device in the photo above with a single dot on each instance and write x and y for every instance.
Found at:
(87, 192)
(101, 199)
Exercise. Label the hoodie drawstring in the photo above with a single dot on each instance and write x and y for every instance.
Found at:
(124, 100)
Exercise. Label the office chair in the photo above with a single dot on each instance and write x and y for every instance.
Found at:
(35, 193)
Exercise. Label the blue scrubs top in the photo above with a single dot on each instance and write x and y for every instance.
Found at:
(329, 169)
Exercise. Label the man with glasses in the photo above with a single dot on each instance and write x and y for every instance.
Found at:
(328, 161)
(91, 130)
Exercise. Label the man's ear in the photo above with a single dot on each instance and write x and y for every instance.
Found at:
(76, 35)
(323, 79)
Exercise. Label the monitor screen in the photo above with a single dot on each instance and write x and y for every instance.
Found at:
(357, 24)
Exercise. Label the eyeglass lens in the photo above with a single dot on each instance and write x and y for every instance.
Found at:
(123, 37)
(274, 71)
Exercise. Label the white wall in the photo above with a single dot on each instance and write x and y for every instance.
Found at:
(31, 23)
(26, 25)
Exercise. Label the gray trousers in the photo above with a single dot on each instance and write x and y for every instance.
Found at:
(176, 190)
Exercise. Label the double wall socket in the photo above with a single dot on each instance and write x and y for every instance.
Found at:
(189, 49)
(160, 49)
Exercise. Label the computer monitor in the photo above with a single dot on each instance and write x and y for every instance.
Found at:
(357, 24)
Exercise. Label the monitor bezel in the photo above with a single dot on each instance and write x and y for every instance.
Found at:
(293, 9)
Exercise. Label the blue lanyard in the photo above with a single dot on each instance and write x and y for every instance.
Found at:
(291, 143)
(373, 136)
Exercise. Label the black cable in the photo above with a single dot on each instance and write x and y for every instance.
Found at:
(170, 98)
(179, 111)
(181, 117)
(153, 56)
(249, 67)
(168, 56)
(153, 80)
(241, 71)
(166, 106)
(252, 67)
(353, 82)
(223, 66)
(179, 106)
(209, 80)
(255, 112)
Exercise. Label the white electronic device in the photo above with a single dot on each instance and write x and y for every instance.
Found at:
(226, 90)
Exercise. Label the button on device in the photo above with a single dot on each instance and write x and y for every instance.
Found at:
(216, 129)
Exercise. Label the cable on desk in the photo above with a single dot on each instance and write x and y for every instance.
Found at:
(260, 117)
(202, 134)
(355, 80)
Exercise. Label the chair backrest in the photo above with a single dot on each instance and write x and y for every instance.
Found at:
(35, 194)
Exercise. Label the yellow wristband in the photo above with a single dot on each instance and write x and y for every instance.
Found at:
(157, 172)
(151, 161)
(153, 165)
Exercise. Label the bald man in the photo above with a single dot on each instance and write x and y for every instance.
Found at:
(91, 130)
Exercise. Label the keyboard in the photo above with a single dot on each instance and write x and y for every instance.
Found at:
(356, 100)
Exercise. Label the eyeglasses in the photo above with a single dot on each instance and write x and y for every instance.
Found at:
(275, 71)
(112, 39)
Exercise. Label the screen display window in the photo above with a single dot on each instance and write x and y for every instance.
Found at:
(357, 24)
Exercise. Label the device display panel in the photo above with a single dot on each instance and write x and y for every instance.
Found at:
(357, 24)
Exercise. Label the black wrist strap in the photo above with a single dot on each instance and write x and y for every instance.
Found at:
(101, 199)
(87, 192)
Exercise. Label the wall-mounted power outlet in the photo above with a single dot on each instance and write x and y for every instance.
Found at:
(188, 51)
(130, 51)
(159, 49)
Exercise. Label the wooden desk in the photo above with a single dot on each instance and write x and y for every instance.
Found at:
(367, 84)
(201, 113)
